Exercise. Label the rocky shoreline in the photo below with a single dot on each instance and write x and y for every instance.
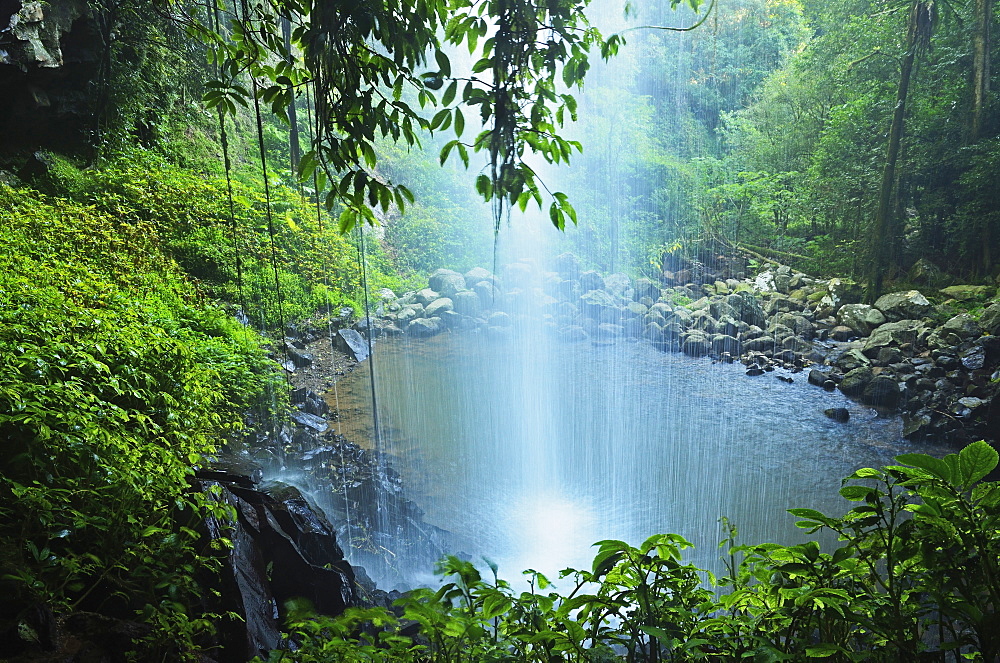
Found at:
(936, 364)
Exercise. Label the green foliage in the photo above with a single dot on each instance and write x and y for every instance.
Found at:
(359, 60)
(231, 257)
(825, 118)
(916, 576)
(115, 379)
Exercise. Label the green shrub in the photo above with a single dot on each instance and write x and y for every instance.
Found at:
(115, 379)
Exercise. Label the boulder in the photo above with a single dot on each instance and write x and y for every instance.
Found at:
(881, 392)
(298, 358)
(279, 547)
(796, 344)
(781, 304)
(424, 327)
(567, 265)
(861, 318)
(696, 344)
(466, 303)
(635, 310)
(958, 329)
(729, 326)
(609, 332)
(760, 344)
(599, 305)
(968, 293)
(888, 355)
(310, 402)
(989, 321)
(855, 382)
(446, 282)
(498, 319)
(477, 274)
(797, 323)
(310, 421)
(619, 285)
(408, 313)
(720, 308)
(780, 332)
(817, 377)
(747, 308)
(840, 414)
(924, 272)
(917, 425)
(438, 306)
(352, 343)
(840, 292)
(851, 359)
(591, 280)
(892, 334)
(782, 283)
(661, 308)
(841, 333)
(426, 296)
(909, 305)
(489, 295)
(704, 321)
(680, 317)
(722, 343)
(645, 288)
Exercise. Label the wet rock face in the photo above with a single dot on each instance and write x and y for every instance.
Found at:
(50, 55)
(282, 548)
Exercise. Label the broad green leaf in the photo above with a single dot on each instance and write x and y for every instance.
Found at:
(449, 93)
(824, 650)
(976, 461)
(856, 493)
(811, 514)
(444, 65)
(935, 466)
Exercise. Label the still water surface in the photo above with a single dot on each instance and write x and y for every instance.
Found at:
(529, 451)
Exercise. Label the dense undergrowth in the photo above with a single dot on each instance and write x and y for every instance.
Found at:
(916, 577)
(122, 365)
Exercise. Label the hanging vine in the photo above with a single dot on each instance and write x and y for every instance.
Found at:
(382, 70)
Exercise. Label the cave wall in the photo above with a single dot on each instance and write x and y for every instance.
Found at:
(49, 57)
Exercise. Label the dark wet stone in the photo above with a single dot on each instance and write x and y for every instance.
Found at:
(841, 333)
(817, 377)
(317, 424)
(855, 381)
(881, 392)
(724, 344)
(762, 344)
(840, 414)
(352, 343)
(755, 370)
(974, 358)
(298, 358)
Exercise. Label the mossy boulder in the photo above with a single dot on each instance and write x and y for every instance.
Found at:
(862, 318)
(909, 305)
(968, 293)
(855, 382)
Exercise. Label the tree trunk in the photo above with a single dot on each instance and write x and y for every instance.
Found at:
(983, 20)
(294, 152)
(882, 237)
